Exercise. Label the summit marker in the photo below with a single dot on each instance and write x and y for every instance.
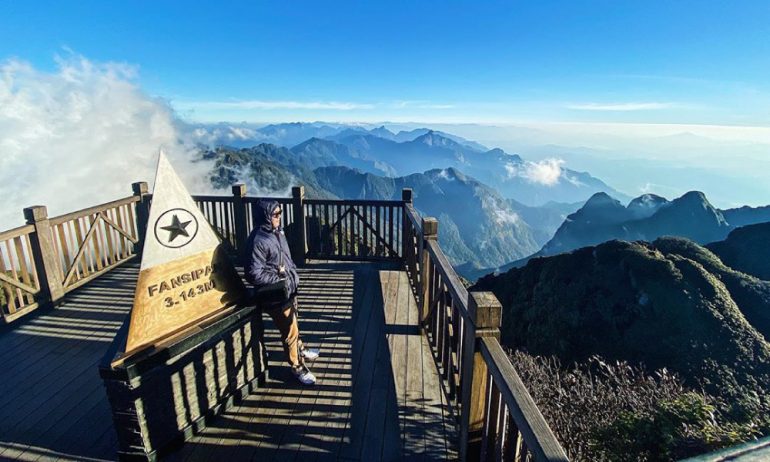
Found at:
(185, 277)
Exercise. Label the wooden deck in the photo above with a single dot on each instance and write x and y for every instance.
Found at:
(378, 397)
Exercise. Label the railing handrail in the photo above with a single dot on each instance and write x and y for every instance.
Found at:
(258, 198)
(211, 197)
(92, 210)
(456, 288)
(525, 413)
(354, 202)
(16, 232)
(414, 218)
(463, 331)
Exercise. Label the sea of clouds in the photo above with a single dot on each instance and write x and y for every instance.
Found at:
(80, 135)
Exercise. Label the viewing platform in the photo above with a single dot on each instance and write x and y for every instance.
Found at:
(410, 365)
(378, 397)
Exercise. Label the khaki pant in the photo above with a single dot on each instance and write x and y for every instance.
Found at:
(285, 320)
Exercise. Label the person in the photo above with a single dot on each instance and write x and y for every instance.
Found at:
(268, 261)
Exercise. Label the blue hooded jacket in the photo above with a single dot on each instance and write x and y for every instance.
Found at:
(268, 247)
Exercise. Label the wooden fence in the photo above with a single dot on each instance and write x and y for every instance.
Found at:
(43, 260)
(48, 257)
(19, 282)
(498, 420)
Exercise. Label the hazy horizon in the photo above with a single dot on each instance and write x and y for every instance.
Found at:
(653, 97)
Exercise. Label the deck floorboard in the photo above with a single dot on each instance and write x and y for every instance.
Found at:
(378, 397)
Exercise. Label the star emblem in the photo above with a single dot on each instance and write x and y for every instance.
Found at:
(176, 228)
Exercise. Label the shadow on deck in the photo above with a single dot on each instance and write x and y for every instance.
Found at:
(378, 398)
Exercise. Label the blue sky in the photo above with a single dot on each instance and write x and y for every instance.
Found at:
(698, 62)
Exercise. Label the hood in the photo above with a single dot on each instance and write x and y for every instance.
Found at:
(262, 213)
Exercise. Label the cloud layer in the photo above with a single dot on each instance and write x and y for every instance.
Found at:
(546, 172)
(80, 135)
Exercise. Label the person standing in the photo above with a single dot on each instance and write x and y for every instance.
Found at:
(268, 261)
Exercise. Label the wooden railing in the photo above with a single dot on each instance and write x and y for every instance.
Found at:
(91, 242)
(353, 230)
(48, 257)
(45, 259)
(498, 420)
(19, 282)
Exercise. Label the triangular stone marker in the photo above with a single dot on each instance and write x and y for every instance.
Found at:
(185, 276)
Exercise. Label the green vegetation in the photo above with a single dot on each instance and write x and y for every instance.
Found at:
(671, 305)
(271, 168)
(746, 249)
(619, 412)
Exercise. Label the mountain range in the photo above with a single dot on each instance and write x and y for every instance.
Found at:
(667, 304)
(380, 151)
(648, 217)
(477, 226)
(496, 210)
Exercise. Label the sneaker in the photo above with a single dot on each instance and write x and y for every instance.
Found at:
(310, 353)
(304, 375)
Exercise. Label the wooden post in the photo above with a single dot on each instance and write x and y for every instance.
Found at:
(485, 313)
(44, 252)
(239, 217)
(300, 239)
(141, 190)
(406, 197)
(429, 233)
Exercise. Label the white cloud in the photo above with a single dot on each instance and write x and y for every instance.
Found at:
(272, 105)
(652, 106)
(444, 173)
(546, 172)
(502, 216)
(80, 135)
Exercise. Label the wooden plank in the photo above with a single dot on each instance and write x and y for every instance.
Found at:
(399, 354)
(323, 428)
(368, 328)
(18, 285)
(49, 431)
(93, 210)
(96, 239)
(58, 402)
(414, 439)
(382, 439)
(28, 298)
(7, 291)
(132, 223)
(77, 261)
(108, 228)
(326, 223)
(440, 435)
(17, 297)
(391, 240)
(114, 226)
(274, 413)
(63, 244)
(338, 226)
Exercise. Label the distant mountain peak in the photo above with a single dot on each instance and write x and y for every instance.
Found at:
(646, 205)
(433, 138)
(693, 196)
(601, 199)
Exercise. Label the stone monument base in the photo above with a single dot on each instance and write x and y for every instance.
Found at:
(161, 397)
